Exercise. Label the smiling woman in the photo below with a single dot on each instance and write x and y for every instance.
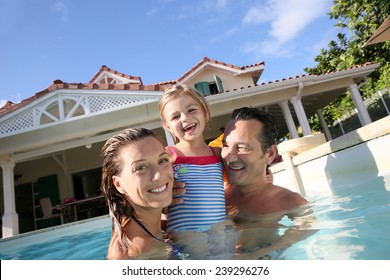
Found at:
(137, 180)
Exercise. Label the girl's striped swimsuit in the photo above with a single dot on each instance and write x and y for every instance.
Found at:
(204, 201)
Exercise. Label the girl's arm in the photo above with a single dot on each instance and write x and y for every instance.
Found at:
(171, 153)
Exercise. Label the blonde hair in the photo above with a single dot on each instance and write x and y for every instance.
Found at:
(177, 91)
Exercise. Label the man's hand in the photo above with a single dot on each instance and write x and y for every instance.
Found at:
(178, 189)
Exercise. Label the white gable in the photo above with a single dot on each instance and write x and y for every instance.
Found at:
(107, 77)
(63, 105)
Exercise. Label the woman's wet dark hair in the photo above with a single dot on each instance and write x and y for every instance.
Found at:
(119, 207)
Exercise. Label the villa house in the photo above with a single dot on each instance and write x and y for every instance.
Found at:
(50, 143)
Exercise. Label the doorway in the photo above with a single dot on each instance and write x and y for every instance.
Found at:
(87, 183)
(25, 207)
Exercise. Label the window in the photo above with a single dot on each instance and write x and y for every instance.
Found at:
(61, 109)
(208, 88)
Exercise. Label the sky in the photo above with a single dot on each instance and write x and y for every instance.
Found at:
(158, 40)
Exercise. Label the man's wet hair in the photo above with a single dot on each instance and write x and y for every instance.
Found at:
(268, 136)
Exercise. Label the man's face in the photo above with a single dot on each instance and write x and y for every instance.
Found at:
(242, 153)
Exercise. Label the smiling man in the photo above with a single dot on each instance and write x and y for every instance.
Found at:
(249, 146)
(256, 205)
(252, 200)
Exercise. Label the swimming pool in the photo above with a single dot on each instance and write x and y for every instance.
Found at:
(352, 223)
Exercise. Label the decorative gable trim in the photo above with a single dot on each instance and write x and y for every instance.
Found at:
(63, 105)
(108, 76)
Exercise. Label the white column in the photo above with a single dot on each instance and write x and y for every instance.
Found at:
(324, 125)
(362, 112)
(303, 122)
(384, 102)
(341, 126)
(293, 173)
(288, 119)
(10, 217)
(169, 138)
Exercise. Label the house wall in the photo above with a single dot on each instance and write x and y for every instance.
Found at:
(32, 170)
(81, 159)
(76, 160)
(229, 83)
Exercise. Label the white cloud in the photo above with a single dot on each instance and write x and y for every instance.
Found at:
(202, 8)
(60, 7)
(225, 35)
(293, 17)
(287, 17)
(2, 102)
(265, 48)
(211, 6)
(285, 20)
(220, 4)
(151, 12)
(259, 15)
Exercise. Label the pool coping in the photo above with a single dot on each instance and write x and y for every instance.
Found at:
(50, 229)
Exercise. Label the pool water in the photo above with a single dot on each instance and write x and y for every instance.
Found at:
(351, 223)
(85, 240)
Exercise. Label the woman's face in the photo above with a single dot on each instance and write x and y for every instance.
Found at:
(146, 178)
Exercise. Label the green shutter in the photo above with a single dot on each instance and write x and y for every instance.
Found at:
(198, 87)
(203, 88)
(218, 81)
(48, 187)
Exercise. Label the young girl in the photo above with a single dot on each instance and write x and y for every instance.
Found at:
(185, 114)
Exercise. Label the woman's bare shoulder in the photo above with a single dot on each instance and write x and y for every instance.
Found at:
(117, 251)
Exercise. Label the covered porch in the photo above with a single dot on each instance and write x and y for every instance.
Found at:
(62, 131)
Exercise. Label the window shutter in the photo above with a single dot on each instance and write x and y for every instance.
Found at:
(203, 88)
(218, 81)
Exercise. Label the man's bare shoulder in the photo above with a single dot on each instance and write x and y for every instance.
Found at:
(289, 198)
(271, 199)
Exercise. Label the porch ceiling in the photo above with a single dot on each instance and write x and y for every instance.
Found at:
(79, 130)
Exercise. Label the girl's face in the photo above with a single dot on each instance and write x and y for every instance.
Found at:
(184, 117)
(146, 178)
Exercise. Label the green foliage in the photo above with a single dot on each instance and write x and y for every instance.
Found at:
(362, 18)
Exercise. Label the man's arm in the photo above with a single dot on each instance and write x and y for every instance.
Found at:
(303, 227)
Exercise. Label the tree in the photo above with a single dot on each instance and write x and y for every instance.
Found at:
(361, 18)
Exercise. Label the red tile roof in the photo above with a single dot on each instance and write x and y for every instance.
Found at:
(160, 86)
(58, 84)
(105, 68)
(206, 59)
(303, 75)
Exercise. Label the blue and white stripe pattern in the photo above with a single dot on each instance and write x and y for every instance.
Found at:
(204, 201)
